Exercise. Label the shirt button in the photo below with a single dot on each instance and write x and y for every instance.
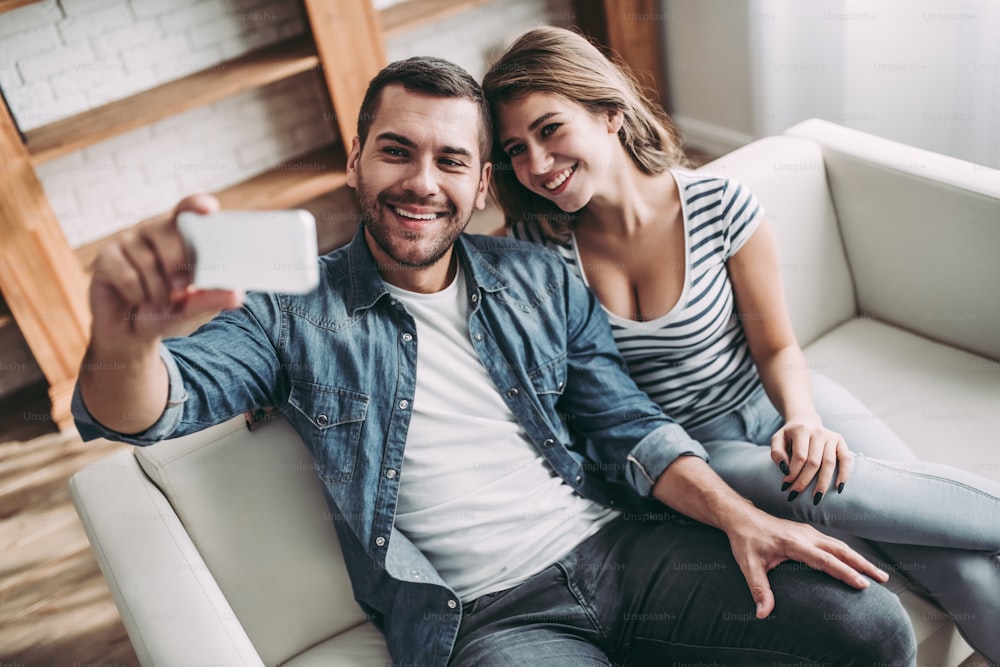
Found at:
(322, 420)
(391, 474)
(475, 298)
(512, 392)
(452, 604)
(478, 336)
(548, 442)
(380, 541)
(407, 337)
(403, 404)
(579, 478)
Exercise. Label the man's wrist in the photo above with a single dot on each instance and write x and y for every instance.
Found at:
(119, 354)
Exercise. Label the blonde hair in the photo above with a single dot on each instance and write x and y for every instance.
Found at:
(562, 62)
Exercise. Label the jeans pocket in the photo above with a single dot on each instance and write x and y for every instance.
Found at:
(484, 601)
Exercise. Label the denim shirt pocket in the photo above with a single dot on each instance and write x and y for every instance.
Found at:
(549, 382)
(333, 419)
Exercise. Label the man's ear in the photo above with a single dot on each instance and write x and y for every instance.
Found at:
(484, 185)
(352, 163)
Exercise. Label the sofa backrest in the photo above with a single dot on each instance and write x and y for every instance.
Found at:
(255, 509)
(922, 234)
(787, 176)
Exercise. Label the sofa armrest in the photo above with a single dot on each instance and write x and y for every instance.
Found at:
(172, 608)
(921, 231)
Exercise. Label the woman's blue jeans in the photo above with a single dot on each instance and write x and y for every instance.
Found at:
(643, 591)
(938, 525)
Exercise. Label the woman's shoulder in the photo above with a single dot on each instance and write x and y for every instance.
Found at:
(691, 181)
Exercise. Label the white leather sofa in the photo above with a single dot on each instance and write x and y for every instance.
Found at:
(218, 547)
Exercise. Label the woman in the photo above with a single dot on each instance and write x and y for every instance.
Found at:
(686, 268)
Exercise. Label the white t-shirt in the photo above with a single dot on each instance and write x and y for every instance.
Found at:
(475, 496)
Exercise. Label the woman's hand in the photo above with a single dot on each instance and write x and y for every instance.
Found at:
(805, 452)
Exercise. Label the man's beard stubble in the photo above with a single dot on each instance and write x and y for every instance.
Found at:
(380, 233)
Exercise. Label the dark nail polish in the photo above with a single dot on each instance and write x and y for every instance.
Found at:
(818, 497)
(784, 468)
(793, 495)
(784, 487)
(840, 487)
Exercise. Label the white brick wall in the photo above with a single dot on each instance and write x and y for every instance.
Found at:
(58, 58)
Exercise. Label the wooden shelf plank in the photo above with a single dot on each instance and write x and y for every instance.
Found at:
(285, 186)
(7, 5)
(357, 40)
(412, 14)
(291, 182)
(228, 78)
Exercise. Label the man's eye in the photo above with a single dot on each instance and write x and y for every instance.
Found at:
(515, 150)
(550, 128)
(448, 162)
(394, 152)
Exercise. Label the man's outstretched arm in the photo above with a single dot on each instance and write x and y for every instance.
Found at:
(139, 295)
(759, 541)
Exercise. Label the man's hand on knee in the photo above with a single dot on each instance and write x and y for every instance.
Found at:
(764, 542)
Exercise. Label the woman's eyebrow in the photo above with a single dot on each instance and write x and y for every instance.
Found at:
(535, 123)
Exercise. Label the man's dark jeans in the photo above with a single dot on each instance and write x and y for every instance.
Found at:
(670, 593)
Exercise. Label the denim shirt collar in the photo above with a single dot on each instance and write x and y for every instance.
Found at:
(367, 285)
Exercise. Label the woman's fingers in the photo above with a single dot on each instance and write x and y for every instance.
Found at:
(807, 454)
(826, 471)
(845, 461)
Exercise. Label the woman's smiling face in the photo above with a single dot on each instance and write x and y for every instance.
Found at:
(559, 149)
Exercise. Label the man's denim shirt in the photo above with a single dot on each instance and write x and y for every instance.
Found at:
(340, 363)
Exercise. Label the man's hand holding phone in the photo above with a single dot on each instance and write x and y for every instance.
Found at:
(163, 279)
(158, 279)
(141, 284)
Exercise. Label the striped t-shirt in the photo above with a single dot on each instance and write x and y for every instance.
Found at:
(694, 361)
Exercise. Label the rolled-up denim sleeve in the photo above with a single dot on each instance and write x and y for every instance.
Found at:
(655, 453)
(90, 429)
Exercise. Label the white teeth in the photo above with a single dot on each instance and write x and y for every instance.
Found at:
(414, 216)
(560, 179)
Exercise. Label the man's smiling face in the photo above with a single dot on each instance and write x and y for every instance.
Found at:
(419, 179)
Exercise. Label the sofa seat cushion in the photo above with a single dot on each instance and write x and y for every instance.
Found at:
(361, 646)
(943, 402)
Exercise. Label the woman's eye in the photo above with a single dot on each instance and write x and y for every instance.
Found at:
(550, 128)
(515, 150)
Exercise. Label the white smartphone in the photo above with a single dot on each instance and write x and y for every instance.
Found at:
(267, 251)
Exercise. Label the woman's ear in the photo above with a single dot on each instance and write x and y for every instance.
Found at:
(615, 120)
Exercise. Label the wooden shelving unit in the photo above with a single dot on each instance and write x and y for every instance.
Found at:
(254, 70)
(42, 280)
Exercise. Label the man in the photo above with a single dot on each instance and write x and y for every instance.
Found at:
(436, 378)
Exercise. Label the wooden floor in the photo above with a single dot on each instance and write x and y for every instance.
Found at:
(55, 609)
